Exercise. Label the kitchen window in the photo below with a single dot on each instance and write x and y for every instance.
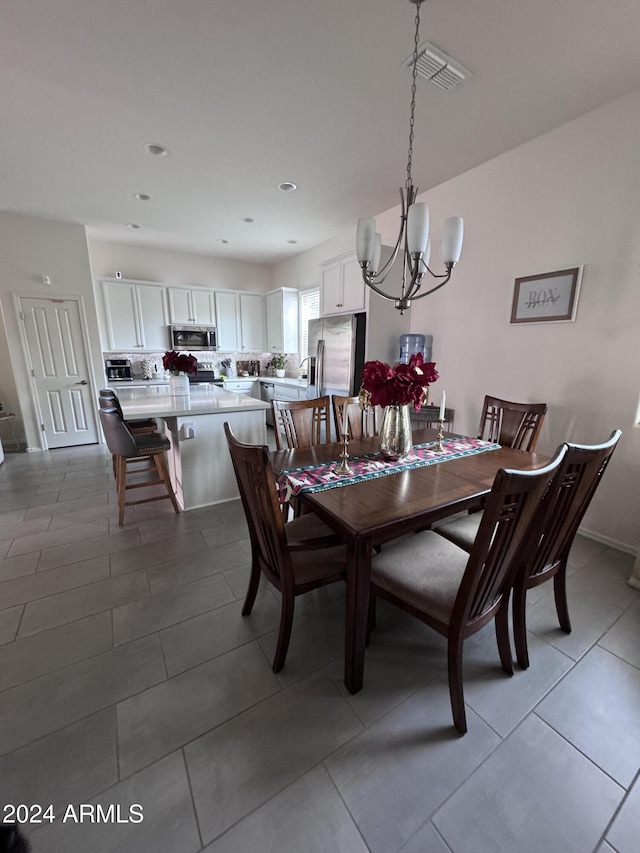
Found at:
(309, 309)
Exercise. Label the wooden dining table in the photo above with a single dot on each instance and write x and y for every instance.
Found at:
(369, 513)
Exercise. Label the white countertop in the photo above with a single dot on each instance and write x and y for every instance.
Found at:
(149, 402)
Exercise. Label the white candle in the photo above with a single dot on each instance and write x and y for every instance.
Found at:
(345, 419)
(444, 400)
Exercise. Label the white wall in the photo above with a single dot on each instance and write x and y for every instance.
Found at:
(31, 248)
(146, 264)
(568, 198)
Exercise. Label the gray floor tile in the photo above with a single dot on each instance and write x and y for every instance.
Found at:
(238, 580)
(151, 554)
(85, 550)
(316, 639)
(584, 550)
(16, 567)
(9, 530)
(625, 831)
(58, 699)
(501, 700)
(606, 578)
(525, 798)
(166, 717)
(593, 708)
(399, 661)
(240, 765)
(39, 654)
(87, 515)
(591, 617)
(427, 840)
(97, 498)
(623, 638)
(82, 601)
(147, 615)
(289, 823)
(9, 621)
(212, 634)
(60, 536)
(41, 584)
(230, 531)
(70, 765)
(196, 566)
(398, 772)
(168, 824)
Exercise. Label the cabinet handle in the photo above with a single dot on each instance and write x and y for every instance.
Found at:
(339, 305)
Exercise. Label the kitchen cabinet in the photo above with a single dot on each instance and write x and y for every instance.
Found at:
(195, 305)
(250, 388)
(271, 389)
(228, 315)
(136, 315)
(252, 322)
(342, 290)
(282, 320)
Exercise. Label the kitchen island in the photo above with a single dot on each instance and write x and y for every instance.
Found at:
(199, 461)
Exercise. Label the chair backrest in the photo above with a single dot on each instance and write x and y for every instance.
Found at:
(257, 486)
(301, 423)
(514, 425)
(117, 434)
(109, 400)
(362, 422)
(567, 501)
(512, 510)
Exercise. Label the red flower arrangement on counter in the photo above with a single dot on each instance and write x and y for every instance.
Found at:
(179, 362)
(401, 384)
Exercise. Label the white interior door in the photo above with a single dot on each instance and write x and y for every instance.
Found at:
(60, 371)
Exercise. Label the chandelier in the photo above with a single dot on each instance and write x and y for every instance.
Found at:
(414, 230)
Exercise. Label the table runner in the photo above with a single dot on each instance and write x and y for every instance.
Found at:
(317, 478)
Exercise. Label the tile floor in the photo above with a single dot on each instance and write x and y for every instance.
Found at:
(128, 676)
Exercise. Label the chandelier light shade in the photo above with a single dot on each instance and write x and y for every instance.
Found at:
(413, 238)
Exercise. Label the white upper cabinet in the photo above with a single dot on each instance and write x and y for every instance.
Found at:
(228, 314)
(136, 315)
(192, 306)
(282, 320)
(342, 290)
(252, 322)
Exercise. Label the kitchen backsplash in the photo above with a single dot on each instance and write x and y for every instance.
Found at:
(215, 358)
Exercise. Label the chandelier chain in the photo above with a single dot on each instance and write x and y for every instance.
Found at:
(414, 65)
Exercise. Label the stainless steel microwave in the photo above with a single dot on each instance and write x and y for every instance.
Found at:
(193, 337)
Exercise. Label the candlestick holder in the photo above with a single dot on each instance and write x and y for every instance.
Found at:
(438, 445)
(343, 468)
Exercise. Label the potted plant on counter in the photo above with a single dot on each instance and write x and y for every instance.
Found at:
(179, 366)
(278, 363)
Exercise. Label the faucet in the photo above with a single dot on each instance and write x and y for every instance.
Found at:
(300, 373)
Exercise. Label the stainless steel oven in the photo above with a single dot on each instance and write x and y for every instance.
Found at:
(193, 338)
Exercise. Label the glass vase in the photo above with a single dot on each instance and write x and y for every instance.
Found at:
(179, 385)
(395, 432)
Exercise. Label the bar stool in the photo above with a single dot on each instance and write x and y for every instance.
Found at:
(126, 447)
(109, 399)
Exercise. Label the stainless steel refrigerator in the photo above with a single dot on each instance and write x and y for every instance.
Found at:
(336, 355)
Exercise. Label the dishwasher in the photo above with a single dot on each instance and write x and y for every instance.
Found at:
(267, 393)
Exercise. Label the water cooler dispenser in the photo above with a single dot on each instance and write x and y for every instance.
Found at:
(410, 344)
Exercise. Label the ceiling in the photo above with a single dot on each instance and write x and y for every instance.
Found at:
(246, 96)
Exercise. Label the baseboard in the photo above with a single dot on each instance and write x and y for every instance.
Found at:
(606, 540)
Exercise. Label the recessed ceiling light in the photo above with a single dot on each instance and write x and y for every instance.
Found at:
(224, 242)
(156, 149)
(292, 241)
(287, 187)
(142, 196)
(132, 225)
(247, 219)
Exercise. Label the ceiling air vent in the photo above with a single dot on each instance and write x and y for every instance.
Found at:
(437, 67)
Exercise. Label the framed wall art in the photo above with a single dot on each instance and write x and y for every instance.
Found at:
(550, 297)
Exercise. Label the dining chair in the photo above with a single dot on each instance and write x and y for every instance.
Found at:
(457, 593)
(566, 503)
(510, 424)
(126, 448)
(296, 557)
(109, 399)
(571, 492)
(301, 423)
(362, 422)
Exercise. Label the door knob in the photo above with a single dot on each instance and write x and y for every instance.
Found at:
(82, 382)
